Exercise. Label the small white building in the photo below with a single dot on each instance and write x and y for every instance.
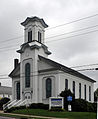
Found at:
(37, 77)
(5, 91)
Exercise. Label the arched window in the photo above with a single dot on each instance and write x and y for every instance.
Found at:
(74, 87)
(85, 92)
(18, 90)
(66, 84)
(80, 90)
(30, 36)
(39, 37)
(27, 75)
(89, 93)
(48, 87)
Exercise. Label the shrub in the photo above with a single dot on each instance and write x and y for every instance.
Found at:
(3, 101)
(57, 109)
(80, 105)
(39, 106)
(14, 108)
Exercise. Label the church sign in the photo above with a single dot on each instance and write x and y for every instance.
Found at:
(56, 102)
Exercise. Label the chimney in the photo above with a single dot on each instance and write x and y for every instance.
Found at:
(16, 61)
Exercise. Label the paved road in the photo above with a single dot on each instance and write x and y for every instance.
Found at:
(6, 118)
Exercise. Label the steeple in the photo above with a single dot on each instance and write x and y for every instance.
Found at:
(34, 35)
(34, 29)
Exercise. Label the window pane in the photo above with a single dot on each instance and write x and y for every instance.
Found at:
(48, 87)
(27, 75)
(18, 90)
(74, 87)
(89, 93)
(66, 84)
(39, 36)
(85, 92)
(29, 36)
(80, 90)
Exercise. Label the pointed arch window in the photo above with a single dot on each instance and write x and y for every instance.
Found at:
(27, 75)
(48, 87)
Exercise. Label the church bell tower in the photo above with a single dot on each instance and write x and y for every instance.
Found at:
(33, 46)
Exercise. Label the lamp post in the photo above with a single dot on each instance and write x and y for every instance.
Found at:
(97, 99)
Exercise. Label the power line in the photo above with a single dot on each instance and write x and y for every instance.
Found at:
(73, 21)
(9, 46)
(57, 39)
(11, 39)
(73, 36)
(50, 73)
(53, 36)
(73, 31)
(84, 65)
(56, 26)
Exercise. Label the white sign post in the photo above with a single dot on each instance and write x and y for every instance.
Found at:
(56, 102)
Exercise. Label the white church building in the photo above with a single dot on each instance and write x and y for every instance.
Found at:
(36, 77)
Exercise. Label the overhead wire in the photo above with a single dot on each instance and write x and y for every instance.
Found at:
(72, 31)
(58, 26)
(60, 38)
(72, 36)
(2, 78)
(73, 21)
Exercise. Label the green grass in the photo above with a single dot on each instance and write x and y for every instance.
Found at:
(69, 115)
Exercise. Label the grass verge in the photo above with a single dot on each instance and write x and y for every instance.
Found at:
(16, 116)
(69, 115)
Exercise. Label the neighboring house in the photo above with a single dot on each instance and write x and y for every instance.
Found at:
(5, 92)
(37, 77)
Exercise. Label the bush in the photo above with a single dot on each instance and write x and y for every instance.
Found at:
(57, 109)
(14, 108)
(3, 101)
(81, 105)
(39, 106)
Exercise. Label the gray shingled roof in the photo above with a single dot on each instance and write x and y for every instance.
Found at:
(5, 90)
(57, 66)
(32, 19)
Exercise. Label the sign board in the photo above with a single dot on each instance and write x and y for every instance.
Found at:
(69, 98)
(56, 102)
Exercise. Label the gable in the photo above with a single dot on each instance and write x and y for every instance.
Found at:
(44, 65)
(15, 72)
(65, 69)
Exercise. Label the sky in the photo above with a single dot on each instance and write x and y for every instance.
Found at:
(71, 43)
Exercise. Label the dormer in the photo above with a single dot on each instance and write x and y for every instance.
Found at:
(34, 29)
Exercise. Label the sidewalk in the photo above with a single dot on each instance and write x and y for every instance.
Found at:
(33, 116)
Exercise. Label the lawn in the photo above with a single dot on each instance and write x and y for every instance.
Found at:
(69, 115)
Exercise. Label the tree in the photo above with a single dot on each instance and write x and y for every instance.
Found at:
(3, 101)
(96, 95)
(65, 94)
